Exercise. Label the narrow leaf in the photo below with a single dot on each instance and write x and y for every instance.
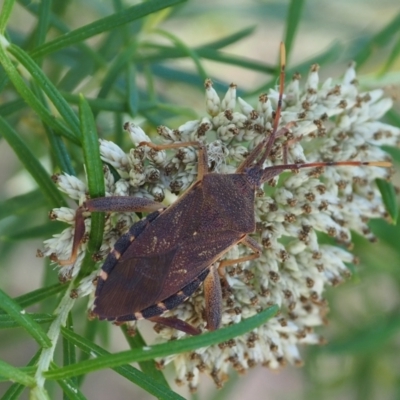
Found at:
(5, 14)
(165, 349)
(186, 50)
(58, 148)
(166, 52)
(27, 94)
(149, 366)
(378, 40)
(32, 165)
(69, 354)
(6, 321)
(39, 295)
(22, 204)
(102, 25)
(35, 232)
(15, 390)
(47, 86)
(70, 389)
(228, 40)
(94, 170)
(132, 90)
(368, 339)
(292, 22)
(123, 59)
(24, 320)
(11, 107)
(16, 375)
(133, 374)
(389, 198)
(43, 22)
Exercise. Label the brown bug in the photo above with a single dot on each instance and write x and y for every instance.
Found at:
(165, 257)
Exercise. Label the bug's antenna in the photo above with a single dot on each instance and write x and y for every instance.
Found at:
(272, 137)
(271, 172)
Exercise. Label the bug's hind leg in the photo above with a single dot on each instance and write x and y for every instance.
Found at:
(213, 299)
(176, 323)
(249, 242)
(212, 284)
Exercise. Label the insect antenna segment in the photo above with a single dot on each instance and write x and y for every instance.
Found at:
(270, 172)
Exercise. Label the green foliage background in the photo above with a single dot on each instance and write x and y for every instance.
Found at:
(148, 61)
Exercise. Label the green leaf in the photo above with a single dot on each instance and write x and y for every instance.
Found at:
(102, 25)
(123, 59)
(103, 104)
(292, 22)
(369, 338)
(43, 22)
(39, 295)
(24, 320)
(69, 354)
(149, 366)
(329, 55)
(70, 389)
(186, 50)
(35, 232)
(230, 39)
(389, 198)
(22, 204)
(166, 52)
(58, 148)
(381, 39)
(6, 321)
(94, 170)
(16, 375)
(5, 14)
(32, 165)
(165, 349)
(59, 151)
(47, 86)
(132, 374)
(11, 107)
(27, 94)
(15, 390)
(394, 55)
(132, 90)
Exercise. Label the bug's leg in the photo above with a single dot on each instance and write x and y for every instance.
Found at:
(213, 298)
(100, 204)
(176, 323)
(249, 242)
(212, 284)
(79, 232)
(286, 148)
(203, 159)
(261, 146)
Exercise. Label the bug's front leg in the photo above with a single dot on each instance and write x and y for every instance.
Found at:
(106, 204)
(212, 284)
(202, 168)
(266, 146)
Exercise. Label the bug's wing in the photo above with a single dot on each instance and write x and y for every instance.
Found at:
(196, 255)
(132, 285)
(137, 283)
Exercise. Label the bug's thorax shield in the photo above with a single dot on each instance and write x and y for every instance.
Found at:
(229, 201)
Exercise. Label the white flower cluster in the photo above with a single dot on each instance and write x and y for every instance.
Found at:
(328, 122)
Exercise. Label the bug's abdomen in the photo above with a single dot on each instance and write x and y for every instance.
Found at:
(168, 304)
